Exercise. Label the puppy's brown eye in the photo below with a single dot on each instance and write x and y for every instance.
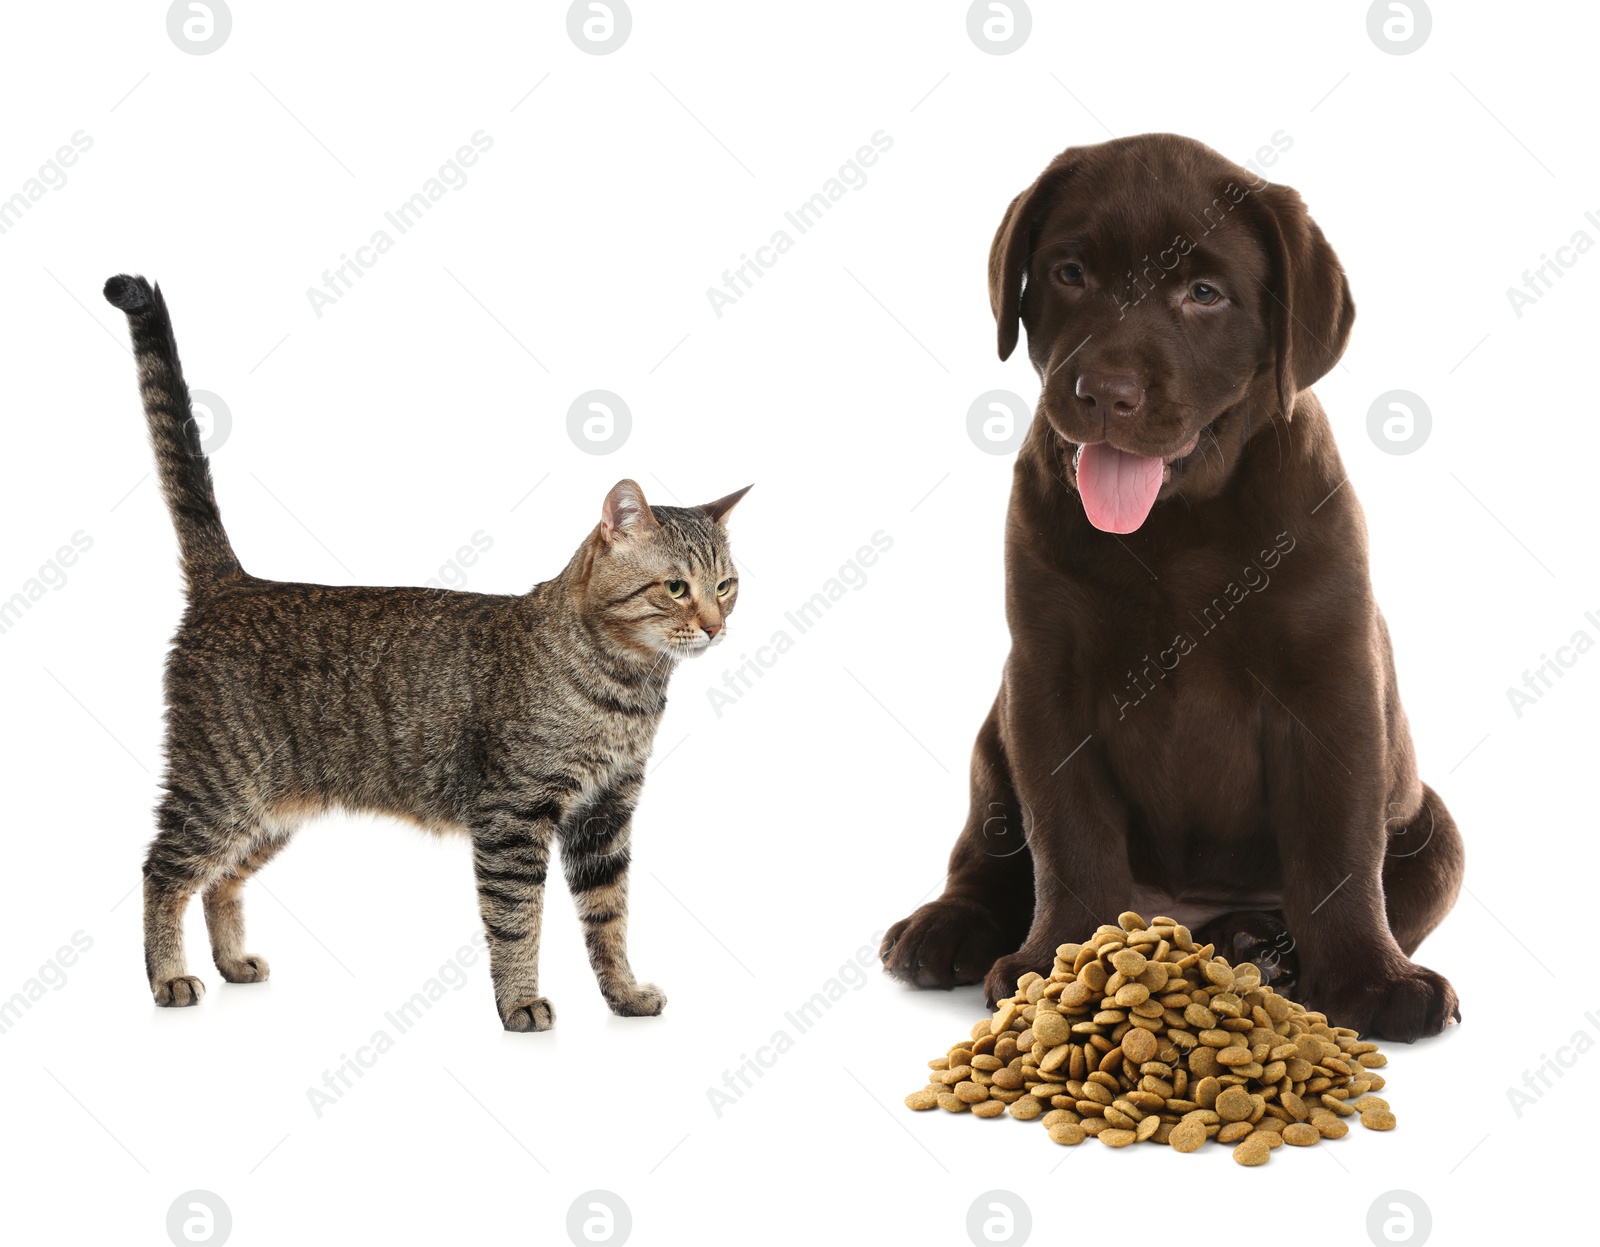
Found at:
(1205, 294)
(677, 588)
(1070, 274)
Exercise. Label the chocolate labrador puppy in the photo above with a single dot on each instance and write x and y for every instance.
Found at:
(1199, 715)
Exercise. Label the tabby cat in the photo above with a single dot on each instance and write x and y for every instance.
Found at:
(520, 720)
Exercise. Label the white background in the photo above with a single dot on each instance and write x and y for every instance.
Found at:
(779, 837)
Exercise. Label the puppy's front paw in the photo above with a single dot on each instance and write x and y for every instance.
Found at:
(641, 1000)
(1001, 981)
(1411, 1002)
(245, 968)
(1261, 938)
(534, 1013)
(180, 992)
(947, 942)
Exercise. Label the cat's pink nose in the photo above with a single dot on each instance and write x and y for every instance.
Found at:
(711, 630)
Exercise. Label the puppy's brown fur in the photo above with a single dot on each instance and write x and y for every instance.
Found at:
(1199, 717)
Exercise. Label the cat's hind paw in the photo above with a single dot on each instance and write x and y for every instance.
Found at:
(179, 992)
(245, 968)
(533, 1014)
(641, 1000)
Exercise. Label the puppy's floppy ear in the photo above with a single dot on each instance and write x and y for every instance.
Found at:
(1012, 246)
(1311, 308)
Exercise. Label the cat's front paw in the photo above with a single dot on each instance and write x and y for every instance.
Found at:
(533, 1014)
(641, 1000)
(245, 968)
(179, 992)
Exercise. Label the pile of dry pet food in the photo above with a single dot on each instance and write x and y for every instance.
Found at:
(1140, 1034)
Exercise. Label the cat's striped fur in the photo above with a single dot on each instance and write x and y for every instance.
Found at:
(521, 720)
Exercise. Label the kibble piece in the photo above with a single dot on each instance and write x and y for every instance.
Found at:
(1067, 1133)
(922, 1100)
(989, 1108)
(1253, 1151)
(971, 1092)
(1139, 1046)
(1373, 1060)
(1147, 1128)
(1218, 972)
(1112, 1137)
(951, 1103)
(1377, 1119)
(1096, 1091)
(1301, 1134)
(1330, 1127)
(1234, 1104)
(1055, 1058)
(1234, 1131)
(1369, 1101)
(1026, 1109)
(1200, 1017)
(1051, 1029)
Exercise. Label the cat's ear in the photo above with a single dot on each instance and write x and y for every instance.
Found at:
(625, 513)
(719, 509)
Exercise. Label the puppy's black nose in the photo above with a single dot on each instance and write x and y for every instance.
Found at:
(1111, 393)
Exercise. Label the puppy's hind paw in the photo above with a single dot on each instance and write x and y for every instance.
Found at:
(1409, 1003)
(180, 992)
(1001, 981)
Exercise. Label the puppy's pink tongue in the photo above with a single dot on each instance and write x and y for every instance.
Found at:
(1118, 488)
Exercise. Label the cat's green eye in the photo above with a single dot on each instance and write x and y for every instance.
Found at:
(725, 588)
(677, 588)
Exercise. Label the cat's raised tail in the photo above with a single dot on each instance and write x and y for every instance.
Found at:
(208, 557)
